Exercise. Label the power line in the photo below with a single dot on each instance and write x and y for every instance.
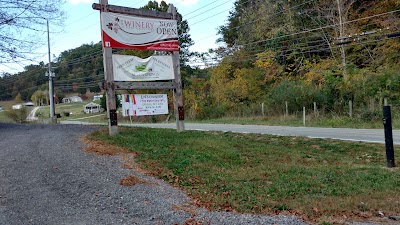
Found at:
(336, 47)
(319, 28)
(207, 10)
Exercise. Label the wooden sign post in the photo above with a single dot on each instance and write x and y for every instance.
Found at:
(110, 85)
(178, 96)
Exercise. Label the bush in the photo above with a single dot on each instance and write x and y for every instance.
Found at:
(18, 115)
(212, 112)
(368, 115)
(66, 113)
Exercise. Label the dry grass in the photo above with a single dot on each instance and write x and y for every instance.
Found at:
(132, 180)
(102, 148)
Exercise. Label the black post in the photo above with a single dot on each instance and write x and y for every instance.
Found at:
(387, 123)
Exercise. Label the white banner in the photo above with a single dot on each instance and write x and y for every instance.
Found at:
(132, 32)
(144, 104)
(132, 68)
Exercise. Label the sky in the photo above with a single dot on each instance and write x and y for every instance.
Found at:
(83, 24)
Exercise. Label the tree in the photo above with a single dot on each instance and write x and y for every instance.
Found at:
(185, 41)
(103, 101)
(338, 14)
(18, 115)
(38, 97)
(20, 20)
(18, 98)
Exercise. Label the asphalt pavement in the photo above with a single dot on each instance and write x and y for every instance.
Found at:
(357, 135)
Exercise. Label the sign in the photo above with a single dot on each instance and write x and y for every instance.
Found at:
(132, 68)
(132, 32)
(144, 104)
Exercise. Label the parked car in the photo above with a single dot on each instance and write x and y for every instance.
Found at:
(30, 104)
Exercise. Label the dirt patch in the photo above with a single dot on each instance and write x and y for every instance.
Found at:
(101, 148)
(132, 180)
(127, 157)
(130, 164)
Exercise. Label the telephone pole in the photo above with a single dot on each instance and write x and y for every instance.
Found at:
(50, 74)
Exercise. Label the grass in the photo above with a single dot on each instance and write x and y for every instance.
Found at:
(344, 122)
(320, 180)
(4, 118)
(311, 121)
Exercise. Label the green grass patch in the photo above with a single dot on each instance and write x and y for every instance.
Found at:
(4, 118)
(257, 173)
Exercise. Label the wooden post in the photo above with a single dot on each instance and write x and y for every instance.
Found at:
(315, 108)
(262, 109)
(287, 109)
(304, 116)
(178, 96)
(350, 108)
(109, 83)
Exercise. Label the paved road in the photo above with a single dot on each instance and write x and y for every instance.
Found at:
(32, 114)
(363, 135)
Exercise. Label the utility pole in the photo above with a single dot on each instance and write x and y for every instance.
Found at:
(50, 74)
(341, 33)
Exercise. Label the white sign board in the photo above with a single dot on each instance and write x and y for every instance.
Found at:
(132, 32)
(144, 104)
(132, 68)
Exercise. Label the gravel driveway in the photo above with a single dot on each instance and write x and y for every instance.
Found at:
(46, 178)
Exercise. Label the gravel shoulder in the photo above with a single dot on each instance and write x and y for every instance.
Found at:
(46, 178)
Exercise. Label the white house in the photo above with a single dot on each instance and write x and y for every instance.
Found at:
(91, 108)
(72, 99)
(17, 106)
(97, 97)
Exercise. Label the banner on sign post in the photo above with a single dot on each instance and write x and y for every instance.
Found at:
(144, 104)
(132, 32)
(132, 68)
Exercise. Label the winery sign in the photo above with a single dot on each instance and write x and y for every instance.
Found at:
(133, 32)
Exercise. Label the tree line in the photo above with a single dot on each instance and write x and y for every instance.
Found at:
(297, 51)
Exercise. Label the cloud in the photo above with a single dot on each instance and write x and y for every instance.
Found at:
(76, 2)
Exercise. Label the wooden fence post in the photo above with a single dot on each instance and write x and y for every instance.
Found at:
(315, 108)
(286, 109)
(351, 108)
(262, 109)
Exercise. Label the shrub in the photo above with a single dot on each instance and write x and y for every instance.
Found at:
(18, 115)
